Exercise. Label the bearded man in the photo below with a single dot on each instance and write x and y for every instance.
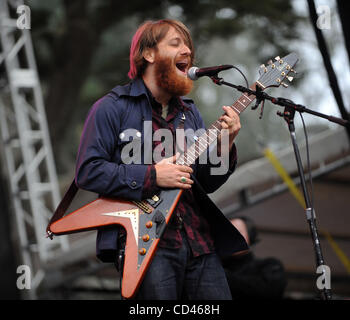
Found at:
(186, 264)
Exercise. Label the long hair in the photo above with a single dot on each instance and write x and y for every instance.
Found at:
(147, 36)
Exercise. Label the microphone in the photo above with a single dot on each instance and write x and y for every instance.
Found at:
(194, 73)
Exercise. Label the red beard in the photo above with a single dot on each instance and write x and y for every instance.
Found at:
(168, 79)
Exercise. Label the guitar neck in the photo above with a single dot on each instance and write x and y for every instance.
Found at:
(203, 142)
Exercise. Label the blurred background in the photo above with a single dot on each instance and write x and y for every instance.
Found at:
(58, 57)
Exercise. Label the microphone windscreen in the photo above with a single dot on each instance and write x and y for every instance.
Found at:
(191, 73)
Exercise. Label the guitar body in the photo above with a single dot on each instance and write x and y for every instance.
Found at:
(144, 228)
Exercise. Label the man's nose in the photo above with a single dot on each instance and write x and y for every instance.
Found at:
(185, 51)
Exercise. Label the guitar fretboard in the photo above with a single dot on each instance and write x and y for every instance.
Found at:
(203, 142)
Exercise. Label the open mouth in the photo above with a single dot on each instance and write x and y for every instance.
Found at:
(182, 66)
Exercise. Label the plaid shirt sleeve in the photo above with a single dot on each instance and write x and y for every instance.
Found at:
(233, 158)
(150, 185)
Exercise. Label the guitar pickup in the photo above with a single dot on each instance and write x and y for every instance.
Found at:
(154, 201)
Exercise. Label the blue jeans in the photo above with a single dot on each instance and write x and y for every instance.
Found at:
(175, 274)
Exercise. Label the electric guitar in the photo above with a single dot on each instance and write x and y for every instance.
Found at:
(145, 221)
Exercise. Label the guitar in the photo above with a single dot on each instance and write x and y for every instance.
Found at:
(145, 221)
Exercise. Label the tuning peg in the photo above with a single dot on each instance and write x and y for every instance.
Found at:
(269, 62)
(292, 70)
(263, 68)
(284, 84)
(290, 79)
(277, 58)
(295, 75)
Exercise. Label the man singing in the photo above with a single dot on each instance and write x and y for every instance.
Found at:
(187, 262)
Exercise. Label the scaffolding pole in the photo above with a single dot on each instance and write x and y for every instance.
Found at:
(27, 149)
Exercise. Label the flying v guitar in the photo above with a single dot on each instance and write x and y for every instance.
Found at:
(145, 221)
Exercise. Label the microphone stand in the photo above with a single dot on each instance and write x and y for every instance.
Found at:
(289, 111)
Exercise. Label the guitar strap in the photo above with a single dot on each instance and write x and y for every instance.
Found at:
(72, 191)
(62, 207)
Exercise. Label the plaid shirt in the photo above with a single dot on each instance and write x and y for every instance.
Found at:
(187, 215)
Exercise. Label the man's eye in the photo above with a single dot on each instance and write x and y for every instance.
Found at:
(175, 43)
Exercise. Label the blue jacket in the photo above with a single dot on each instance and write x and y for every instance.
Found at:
(100, 168)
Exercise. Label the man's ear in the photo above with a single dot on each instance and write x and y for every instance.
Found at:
(149, 55)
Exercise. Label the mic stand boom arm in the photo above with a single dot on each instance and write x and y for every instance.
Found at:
(289, 111)
(261, 96)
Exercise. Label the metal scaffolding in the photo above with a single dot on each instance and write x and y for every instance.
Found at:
(27, 149)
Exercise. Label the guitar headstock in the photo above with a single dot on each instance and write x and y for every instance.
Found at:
(276, 71)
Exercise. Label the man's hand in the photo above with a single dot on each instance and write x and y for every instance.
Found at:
(230, 120)
(171, 175)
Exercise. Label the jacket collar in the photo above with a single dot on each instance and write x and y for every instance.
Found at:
(138, 88)
(133, 89)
